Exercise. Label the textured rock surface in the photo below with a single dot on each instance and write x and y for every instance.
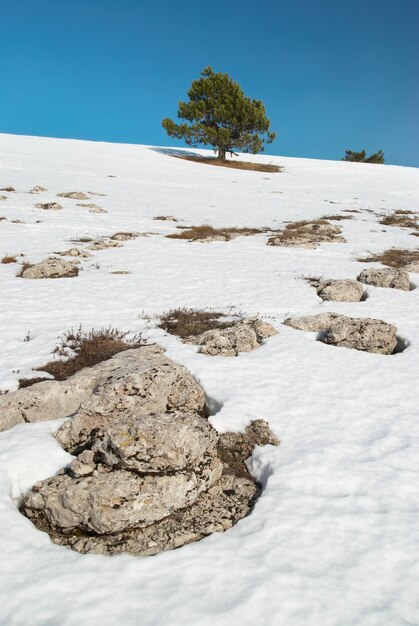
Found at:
(95, 506)
(51, 268)
(164, 384)
(307, 235)
(152, 385)
(37, 189)
(75, 195)
(364, 334)
(103, 244)
(340, 290)
(124, 236)
(385, 277)
(49, 206)
(75, 252)
(240, 337)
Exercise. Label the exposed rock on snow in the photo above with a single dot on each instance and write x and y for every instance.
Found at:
(239, 337)
(103, 244)
(49, 206)
(51, 268)
(307, 234)
(346, 290)
(37, 189)
(124, 236)
(364, 334)
(149, 484)
(3, 197)
(74, 195)
(385, 277)
(76, 252)
(155, 382)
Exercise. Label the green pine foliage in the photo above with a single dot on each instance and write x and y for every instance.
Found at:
(361, 157)
(220, 115)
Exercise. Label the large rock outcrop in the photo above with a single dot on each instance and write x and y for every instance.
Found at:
(366, 334)
(142, 379)
(385, 277)
(51, 267)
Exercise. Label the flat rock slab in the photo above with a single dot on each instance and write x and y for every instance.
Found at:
(385, 277)
(366, 334)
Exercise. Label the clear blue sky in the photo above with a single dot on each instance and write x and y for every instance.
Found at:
(333, 74)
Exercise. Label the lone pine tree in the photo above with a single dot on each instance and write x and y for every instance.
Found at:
(219, 114)
(361, 157)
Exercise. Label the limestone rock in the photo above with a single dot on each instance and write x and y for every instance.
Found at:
(239, 337)
(75, 252)
(366, 334)
(340, 290)
(37, 189)
(74, 195)
(49, 206)
(103, 244)
(51, 267)
(385, 277)
(124, 236)
(163, 384)
(153, 385)
(156, 443)
(307, 234)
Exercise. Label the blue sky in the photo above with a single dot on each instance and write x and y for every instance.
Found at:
(333, 74)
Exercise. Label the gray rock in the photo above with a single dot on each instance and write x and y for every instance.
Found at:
(37, 189)
(156, 443)
(366, 334)
(75, 252)
(340, 290)
(74, 195)
(124, 236)
(239, 337)
(49, 206)
(103, 244)
(115, 510)
(52, 267)
(164, 384)
(152, 384)
(385, 277)
(307, 235)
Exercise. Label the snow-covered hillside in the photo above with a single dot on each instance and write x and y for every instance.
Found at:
(334, 539)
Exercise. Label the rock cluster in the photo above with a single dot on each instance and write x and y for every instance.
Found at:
(385, 277)
(360, 333)
(52, 267)
(241, 336)
(151, 473)
(307, 234)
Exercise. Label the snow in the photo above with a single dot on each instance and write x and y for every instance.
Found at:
(334, 539)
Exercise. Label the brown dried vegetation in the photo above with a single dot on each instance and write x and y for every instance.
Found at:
(394, 257)
(201, 233)
(400, 218)
(85, 349)
(238, 165)
(8, 258)
(187, 322)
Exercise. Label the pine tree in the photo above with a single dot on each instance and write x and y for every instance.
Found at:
(220, 115)
(361, 157)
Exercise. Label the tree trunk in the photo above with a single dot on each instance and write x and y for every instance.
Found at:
(221, 154)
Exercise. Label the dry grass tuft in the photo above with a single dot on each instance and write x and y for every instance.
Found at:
(23, 268)
(337, 218)
(8, 258)
(186, 322)
(2, 218)
(85, 349)
(237, 165)
(394, 257)
(401, 219)
(201, 233)
(9, 189)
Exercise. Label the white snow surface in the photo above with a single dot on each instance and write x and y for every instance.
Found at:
(334, 539)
